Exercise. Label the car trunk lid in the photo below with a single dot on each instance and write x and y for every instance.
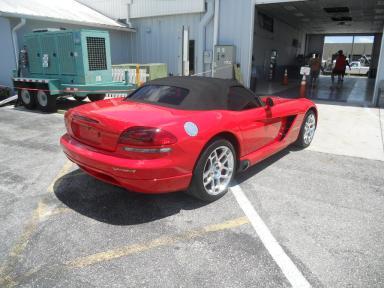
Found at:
(101, 123)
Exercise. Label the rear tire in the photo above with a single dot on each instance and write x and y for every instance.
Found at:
(214, 171)
(96, 97)
(28, 98)
(307, 130)
(45, 101)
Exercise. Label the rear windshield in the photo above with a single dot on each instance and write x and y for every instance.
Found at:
(160, 94)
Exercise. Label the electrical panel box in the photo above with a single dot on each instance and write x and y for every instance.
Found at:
(224, 57)
(71, 56)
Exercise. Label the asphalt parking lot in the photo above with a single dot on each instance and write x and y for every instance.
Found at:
(62, 228)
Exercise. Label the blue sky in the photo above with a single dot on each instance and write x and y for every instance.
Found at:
(348, 39)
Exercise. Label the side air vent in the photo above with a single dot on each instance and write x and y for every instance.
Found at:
(97, 58)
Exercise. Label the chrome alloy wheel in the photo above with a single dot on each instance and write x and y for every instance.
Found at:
(42, 98)
(25, 96)
(218, 170)
(309, 128)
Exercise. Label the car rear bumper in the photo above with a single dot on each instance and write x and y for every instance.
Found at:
(123, 172)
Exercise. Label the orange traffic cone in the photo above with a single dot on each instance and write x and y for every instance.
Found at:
(285, 79)
(303, 87)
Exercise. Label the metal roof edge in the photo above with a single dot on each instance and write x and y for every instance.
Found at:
(52, 19)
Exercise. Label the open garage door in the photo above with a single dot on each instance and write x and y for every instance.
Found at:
(286, 34)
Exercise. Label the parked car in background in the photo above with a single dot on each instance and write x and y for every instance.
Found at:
(358, 69)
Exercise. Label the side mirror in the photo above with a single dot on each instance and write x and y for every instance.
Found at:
(269, 102)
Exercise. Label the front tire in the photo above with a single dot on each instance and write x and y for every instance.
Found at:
(96, 97)
(46, 102)
(307, 130)
(214, 171)
(28, 98)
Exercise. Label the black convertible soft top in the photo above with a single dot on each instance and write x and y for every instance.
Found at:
(206, 93)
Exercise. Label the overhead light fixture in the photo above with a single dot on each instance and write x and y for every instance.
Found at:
(305, 19)
(342, 18)
(336, 9)
(290, 8)
(299, 14)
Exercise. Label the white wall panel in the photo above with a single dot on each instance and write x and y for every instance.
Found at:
(380, 72)
(149, 8)
(115, 9)
(280, 40)
(7, 63)
(158, 39)
(236, 28)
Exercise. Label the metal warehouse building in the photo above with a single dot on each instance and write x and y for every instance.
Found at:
(184, 33)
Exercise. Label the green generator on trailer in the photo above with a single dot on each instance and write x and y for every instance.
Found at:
(57, 63)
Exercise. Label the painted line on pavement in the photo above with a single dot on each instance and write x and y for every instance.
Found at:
(291, 272)
(159, 242)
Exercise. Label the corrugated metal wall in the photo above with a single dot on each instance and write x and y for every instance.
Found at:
(115, 9)
(380, 74)
(8, 62)
(149, 8)
(158, 39)
(236, 28)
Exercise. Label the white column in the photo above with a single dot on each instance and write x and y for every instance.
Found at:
(379, 73)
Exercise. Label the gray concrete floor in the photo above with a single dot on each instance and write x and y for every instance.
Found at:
(62, 228)
(353, 90)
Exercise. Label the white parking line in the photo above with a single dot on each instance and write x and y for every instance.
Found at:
(291, 272)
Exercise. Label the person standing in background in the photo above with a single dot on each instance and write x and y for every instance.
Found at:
(315, 65)
(340, 66)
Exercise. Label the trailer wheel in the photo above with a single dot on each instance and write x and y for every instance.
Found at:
(78, 98)
(46, 102)
(96, 97)
(28, 98)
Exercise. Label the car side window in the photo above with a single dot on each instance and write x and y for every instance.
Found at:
(239, 98)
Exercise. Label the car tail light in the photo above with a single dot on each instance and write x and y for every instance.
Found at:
(146, 136)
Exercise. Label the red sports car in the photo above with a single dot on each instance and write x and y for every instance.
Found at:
(184, 134)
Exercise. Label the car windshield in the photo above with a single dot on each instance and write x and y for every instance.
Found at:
(160, 94)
